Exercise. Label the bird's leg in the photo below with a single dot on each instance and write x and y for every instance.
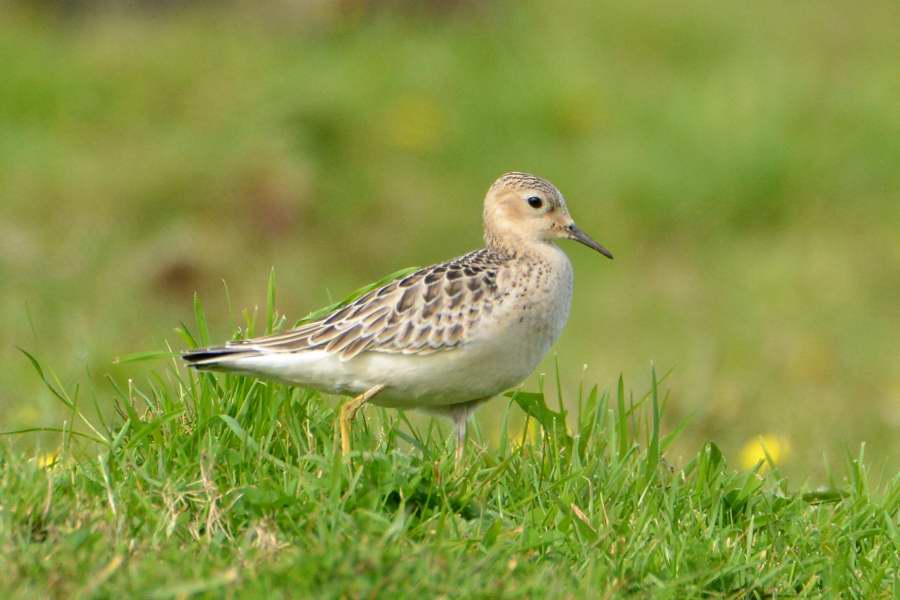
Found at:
(459, 420)
(348, 412)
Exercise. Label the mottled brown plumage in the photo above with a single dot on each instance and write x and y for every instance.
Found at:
(429, 311)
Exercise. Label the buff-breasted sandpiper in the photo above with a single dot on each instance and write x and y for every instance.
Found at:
(445, 338)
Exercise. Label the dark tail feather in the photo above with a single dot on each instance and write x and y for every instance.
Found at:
(215, 356)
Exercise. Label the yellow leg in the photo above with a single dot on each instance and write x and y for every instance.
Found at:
(348, 412)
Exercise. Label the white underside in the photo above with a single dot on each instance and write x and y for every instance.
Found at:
(442, 379)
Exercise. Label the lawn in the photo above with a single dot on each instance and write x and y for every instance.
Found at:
(232, 486)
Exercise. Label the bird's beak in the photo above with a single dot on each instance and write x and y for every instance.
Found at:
(575, 233)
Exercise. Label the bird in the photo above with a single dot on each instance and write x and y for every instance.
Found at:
(445, 338)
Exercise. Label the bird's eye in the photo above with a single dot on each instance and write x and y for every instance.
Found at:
(535, 202)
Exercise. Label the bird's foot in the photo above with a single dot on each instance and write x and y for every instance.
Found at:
(348, 413)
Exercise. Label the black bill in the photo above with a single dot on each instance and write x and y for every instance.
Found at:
(579, 236)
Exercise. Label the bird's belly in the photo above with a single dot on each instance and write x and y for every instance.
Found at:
(474, 371)
(450, 377)
(471, 372)
(492, 363)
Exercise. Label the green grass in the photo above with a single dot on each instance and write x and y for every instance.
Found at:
(214, 485)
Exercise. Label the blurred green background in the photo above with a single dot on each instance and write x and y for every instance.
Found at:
(740, 160)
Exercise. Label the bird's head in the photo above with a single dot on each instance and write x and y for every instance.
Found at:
(520, 209)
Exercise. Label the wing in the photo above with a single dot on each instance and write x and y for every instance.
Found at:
(431, 310)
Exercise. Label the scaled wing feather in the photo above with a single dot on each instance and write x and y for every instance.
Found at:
(431, 310)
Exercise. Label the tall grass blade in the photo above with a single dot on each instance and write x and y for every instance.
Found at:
(271, 315)
(326, 310)
(200, 317)
(622, 419)
(653, 454)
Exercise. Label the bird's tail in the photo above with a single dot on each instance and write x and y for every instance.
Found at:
(218, 358)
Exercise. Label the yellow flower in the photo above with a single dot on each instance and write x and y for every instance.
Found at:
(755, 450)
(528, 436)
(47, 459)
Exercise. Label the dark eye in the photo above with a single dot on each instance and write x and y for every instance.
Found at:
(535, 202)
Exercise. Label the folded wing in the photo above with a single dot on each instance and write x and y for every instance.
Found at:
(432, 310)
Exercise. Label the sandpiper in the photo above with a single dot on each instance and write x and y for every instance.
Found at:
(445, 338)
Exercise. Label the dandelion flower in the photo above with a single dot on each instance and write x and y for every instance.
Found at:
(46, 459)
(755, 450)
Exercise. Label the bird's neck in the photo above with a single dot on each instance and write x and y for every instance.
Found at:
(512, 245)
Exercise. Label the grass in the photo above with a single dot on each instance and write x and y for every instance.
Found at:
(219, 485)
